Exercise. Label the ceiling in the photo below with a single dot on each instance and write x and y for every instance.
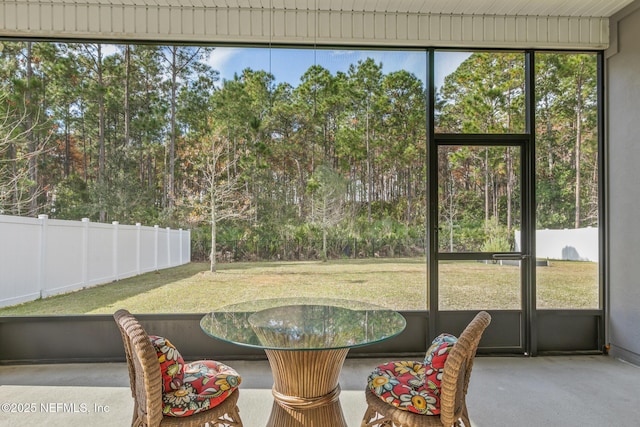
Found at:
(546, 24)
(568, 8)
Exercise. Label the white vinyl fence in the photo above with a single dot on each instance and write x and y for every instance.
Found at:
(40, 257)
(579, 244)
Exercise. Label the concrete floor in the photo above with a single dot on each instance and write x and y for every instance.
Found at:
(504, 391)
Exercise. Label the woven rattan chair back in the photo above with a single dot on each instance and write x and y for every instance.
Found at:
(144, 370)
(146, 384)
(457, 372)
(453, 391)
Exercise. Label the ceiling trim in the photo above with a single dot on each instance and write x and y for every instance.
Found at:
(614, 27)
(162, 23)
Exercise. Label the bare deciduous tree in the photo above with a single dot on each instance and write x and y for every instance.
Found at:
(225, 195)
(328, 190)
(18, 193)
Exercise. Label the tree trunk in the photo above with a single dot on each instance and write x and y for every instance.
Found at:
(510, 179)
(33, 146)
(127, 112)
(14, 169)
(578, 143)
(369, 175)
(301, 190)
(324, 229)
(67, 143)
(101, 143)
(172, 142)
(213, 208)
(213, 228)
(409, 188)
(486, 189)
(451, 213)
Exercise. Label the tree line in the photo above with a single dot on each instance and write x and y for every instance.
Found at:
(152, 134)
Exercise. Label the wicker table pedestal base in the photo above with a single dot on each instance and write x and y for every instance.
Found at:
(327, 415)
(305, 388)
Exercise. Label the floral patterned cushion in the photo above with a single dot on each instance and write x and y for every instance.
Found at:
(206, 384)
(192, 387)
(435, 358)
(414, 386)
(171, 363)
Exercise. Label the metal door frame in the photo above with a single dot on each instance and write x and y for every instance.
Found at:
(509, 327)
(525, 317)
(541, 331)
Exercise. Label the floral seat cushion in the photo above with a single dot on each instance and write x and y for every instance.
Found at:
(414, 386)
(189, 388)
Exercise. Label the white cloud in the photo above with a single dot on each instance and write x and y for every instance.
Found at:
(221, 58)
(221, 55)
(446, 63)
(109, 49)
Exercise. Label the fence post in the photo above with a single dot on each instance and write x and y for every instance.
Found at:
(115, 249)
(85, 252)
(42, 256)
(138, 247)
(180, 244)
(169, 247)
(188, 246)
(156, 230)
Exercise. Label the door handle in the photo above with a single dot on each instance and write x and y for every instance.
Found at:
(514, 257)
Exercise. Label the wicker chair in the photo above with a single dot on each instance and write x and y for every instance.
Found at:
(146, 384)
(455, 382)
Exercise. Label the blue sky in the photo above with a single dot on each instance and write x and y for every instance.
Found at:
(288, 65)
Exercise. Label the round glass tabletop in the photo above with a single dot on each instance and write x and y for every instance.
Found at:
(303, 324)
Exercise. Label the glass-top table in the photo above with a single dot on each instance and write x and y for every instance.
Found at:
(306, 342)
(302, 324)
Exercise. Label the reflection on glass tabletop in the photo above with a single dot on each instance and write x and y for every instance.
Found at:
(303, 324)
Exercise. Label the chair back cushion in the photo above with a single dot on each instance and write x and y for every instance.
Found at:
(171, 363)
(435, 358)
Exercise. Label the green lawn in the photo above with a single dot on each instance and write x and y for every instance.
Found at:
(473, 285)
(395, 283)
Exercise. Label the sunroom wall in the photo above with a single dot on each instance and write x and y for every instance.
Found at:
(622, 107)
